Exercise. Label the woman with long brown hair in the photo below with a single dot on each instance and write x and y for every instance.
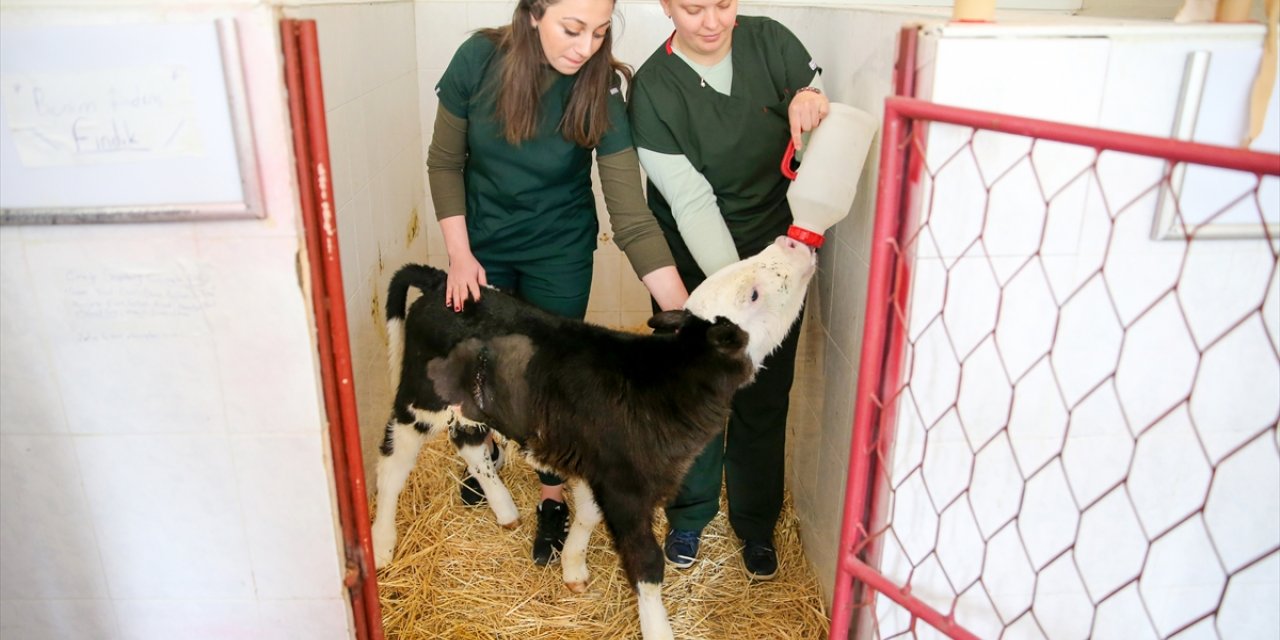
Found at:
(523, 107)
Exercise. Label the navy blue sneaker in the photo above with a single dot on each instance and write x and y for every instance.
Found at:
(681, 547)
(759, 559)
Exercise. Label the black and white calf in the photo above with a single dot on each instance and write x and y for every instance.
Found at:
(620, 415)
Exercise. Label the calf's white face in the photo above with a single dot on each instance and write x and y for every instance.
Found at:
(762, 294)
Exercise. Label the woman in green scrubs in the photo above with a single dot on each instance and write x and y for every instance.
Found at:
(712, 111)
(522, 109)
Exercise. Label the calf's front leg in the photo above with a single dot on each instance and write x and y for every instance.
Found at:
(469, 438)
(630, 520)
(586, 515)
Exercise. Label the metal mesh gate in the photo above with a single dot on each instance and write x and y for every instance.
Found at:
(1066, 419)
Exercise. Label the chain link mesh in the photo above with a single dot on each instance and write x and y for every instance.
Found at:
(1082, 437)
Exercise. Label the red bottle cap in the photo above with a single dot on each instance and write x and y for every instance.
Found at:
(806, 236)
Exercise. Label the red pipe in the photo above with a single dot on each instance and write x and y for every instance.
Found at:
(893, 141)
(914, 605)
(317, 130)
(873, 338)
(1099, 139)
(311, 146)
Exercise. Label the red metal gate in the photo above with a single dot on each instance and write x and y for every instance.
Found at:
(315, 186)
(1118, 471)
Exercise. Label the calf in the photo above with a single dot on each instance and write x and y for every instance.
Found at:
(620, 415)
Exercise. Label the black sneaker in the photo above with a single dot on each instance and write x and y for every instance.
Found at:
(760, 560)
(553, 526)
(471, 492)
(681, 547)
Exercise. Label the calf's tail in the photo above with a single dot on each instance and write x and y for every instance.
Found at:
(412, 275)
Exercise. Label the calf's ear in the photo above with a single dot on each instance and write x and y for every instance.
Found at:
(669, 321)
(726, 336)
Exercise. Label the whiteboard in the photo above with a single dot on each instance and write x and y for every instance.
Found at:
(124, 122)
(1214, 109)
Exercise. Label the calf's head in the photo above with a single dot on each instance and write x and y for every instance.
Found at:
(762, 294)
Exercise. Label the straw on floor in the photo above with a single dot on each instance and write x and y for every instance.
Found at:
(458, 575)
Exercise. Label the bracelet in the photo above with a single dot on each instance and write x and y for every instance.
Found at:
(813, 89)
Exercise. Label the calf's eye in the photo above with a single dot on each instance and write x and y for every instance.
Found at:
(755, 295)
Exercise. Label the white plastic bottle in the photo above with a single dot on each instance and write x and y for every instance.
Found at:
(827, 180)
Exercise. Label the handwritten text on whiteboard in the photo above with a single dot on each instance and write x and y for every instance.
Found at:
(113, 116)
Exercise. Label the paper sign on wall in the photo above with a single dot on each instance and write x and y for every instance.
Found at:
(127, 115)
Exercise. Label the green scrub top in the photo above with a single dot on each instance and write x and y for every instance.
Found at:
(532, 201)
(735, 141)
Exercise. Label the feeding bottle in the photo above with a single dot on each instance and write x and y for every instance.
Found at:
(824, 186)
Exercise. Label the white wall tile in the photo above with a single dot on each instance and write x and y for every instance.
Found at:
(1099, 446)
(1247, 609)
(441, 28)
(606, 293)
(985, 395)
(1244, 530)
(1169, 478)
(1087, 344)
(54, 619)
(1182, 579)
(489, 14)
(29, 399)
(1061, 606)
(935, 373)
(1007, 575)
(948, 461)
(305, 619)
(960, 544)
(1038, 419)
(1111, 545)
(151, 310)
(975, 612)
(168, 516)
(1058, 78)
(1048, 518)
(911, 504)
(261, 274)
(1122, 617)
(194, 619)
(970, 310)
(996, 488)
(1221, 282)
(1157, 364)
(48, 547)
(286, 506)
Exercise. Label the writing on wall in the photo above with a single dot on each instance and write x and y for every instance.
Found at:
(118, 116)
(125, 304)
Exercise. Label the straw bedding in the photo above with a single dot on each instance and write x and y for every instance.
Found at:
(458, 575)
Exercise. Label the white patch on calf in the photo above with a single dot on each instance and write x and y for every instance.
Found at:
(499, 498)
(435, 420)
(586, 515)
(395, 348)
(762, 294)
(392, 472)
(654, 624)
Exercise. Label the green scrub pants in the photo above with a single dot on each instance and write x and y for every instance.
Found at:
(751, 454)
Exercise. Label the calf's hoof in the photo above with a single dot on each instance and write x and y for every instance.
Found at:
(576, 587)
(384, 546)
(510, 526)
(381, 558)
